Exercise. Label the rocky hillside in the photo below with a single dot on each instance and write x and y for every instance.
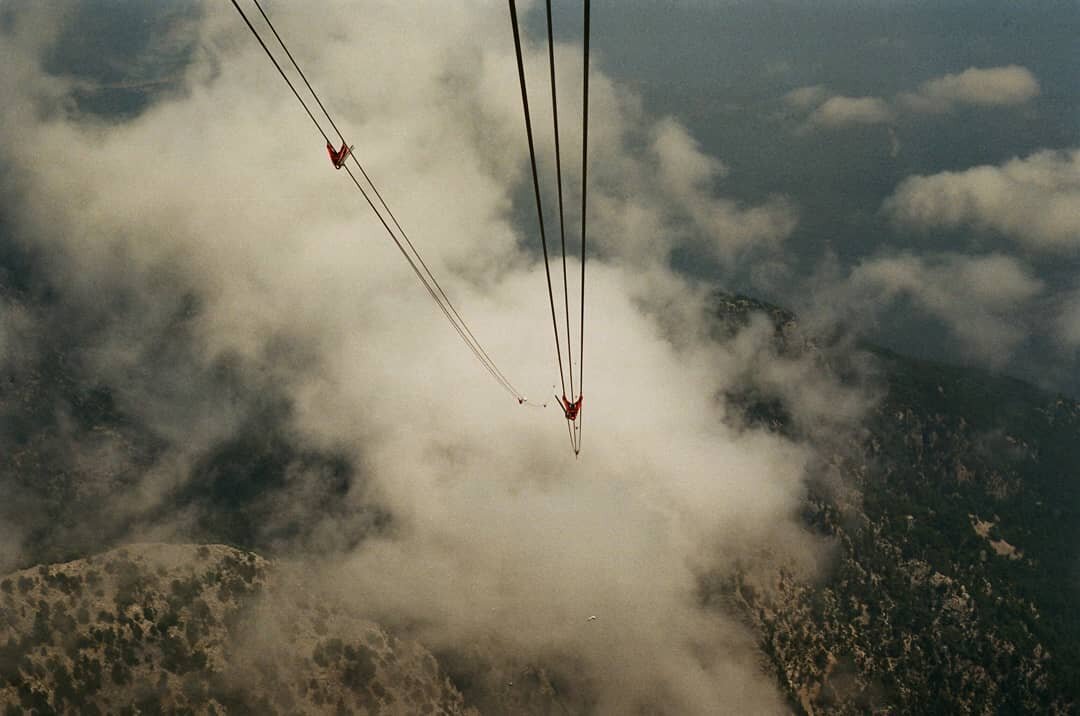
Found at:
(157, 628)
(955, 518)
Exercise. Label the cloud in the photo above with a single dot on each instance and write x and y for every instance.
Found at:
(776, 68)
(845, 111)
(990, 87)
(683, 166)
(980, 299)
(222, 271)
(727, 230)
(1034, 200)
(508, 544)
(806, 97)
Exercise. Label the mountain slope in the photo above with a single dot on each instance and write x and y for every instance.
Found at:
(956, 546)
(156, 628)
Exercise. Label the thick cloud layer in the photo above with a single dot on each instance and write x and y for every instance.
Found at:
(216, 209)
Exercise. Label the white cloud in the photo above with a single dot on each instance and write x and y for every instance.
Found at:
(225, 192)
(806, 97)
(1034, 200)
(724, 228)
(845, 111)
(683, 166)
(979, 298)
(990, 87)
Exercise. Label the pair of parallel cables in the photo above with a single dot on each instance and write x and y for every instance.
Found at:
(401, 240)
(572, 404)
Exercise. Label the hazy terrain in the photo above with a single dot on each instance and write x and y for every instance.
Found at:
(161, 628)
(948, 523)
(210, 352)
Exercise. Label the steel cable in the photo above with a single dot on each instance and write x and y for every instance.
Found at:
(447, 308)
(536, 187)
(382, 202)
(584, 204)
(558, 181)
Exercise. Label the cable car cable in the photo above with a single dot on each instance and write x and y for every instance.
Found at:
(536, 186)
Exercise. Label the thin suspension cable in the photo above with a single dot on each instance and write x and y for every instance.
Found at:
(423, 264)
(536, 185)
(375, 189)
(476, 350)
(584, 203)
(570, 431)
(412, 264)
(558, 179)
